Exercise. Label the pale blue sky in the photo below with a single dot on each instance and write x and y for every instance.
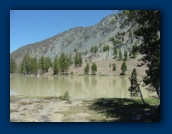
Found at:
(30, 26)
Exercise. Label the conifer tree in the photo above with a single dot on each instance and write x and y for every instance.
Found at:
(123, 68)
(120, 55)
(94, 68)
(86, 69)
(135, 88)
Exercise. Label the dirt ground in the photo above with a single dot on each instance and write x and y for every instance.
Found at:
(52, 109)
(104, 66)
(28, 109)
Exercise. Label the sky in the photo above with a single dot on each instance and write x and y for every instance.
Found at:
(30, 26)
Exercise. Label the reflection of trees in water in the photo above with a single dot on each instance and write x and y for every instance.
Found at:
(86, 81)
(114, 82)
(124, 84)
(93, 81)
(77, 89)
(62, 84)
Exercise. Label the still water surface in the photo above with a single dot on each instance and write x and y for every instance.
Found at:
(80, 87)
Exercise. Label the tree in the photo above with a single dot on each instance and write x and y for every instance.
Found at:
(26, 61)
(115, 51)
(23, 68)
(79, 59)
(76, 60)
(125, 55)
(33, 66)
(42, 64)
(25, 65)
(67, 63)
(123, 68)
(120, 55)
(134, 50)
(114, 67)
(13, 65)
(106, 48)
(91, 49)
(94, 68)
(111, 39)
(149, 30)
(48, 63)
(130, 53)
(86, 69)
(95, 49)
(135, 88)
(55, 66)
(63, 63)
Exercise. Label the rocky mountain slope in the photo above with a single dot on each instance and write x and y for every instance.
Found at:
(83, 38)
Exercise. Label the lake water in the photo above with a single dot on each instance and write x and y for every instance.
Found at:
(79, 87)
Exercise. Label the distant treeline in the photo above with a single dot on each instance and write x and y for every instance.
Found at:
(32, 65)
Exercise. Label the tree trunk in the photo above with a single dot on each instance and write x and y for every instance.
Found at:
(141, 95)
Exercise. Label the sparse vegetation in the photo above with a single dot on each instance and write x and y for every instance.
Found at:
(94, 49)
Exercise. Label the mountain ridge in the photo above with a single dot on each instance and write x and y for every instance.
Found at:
(80, 38)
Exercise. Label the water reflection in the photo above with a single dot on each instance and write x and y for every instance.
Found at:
(86, 87)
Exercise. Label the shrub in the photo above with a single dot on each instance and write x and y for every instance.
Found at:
(66, 96)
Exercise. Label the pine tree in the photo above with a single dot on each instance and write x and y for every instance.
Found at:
(48, 63)
(86, 69)
(125, 55)
(149, 29)
(79, 59)
(25, 65)
(120, 55)
(95, 49)
(33, 66)
(62, 63)
(134, 50)
(13, 66)
(123, 68)
(135, 88)
(94, 68)
(42, 64)
(115, 51)
(22, 68)
(76, 59)
(55, 66)
(114, 67)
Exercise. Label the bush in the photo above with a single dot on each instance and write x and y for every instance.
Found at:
(66, 96)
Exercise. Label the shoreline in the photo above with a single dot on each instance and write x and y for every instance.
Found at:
(52, 109)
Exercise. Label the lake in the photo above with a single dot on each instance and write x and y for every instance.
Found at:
(79, 87)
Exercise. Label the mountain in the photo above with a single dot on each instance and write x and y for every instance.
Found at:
(83, 38)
